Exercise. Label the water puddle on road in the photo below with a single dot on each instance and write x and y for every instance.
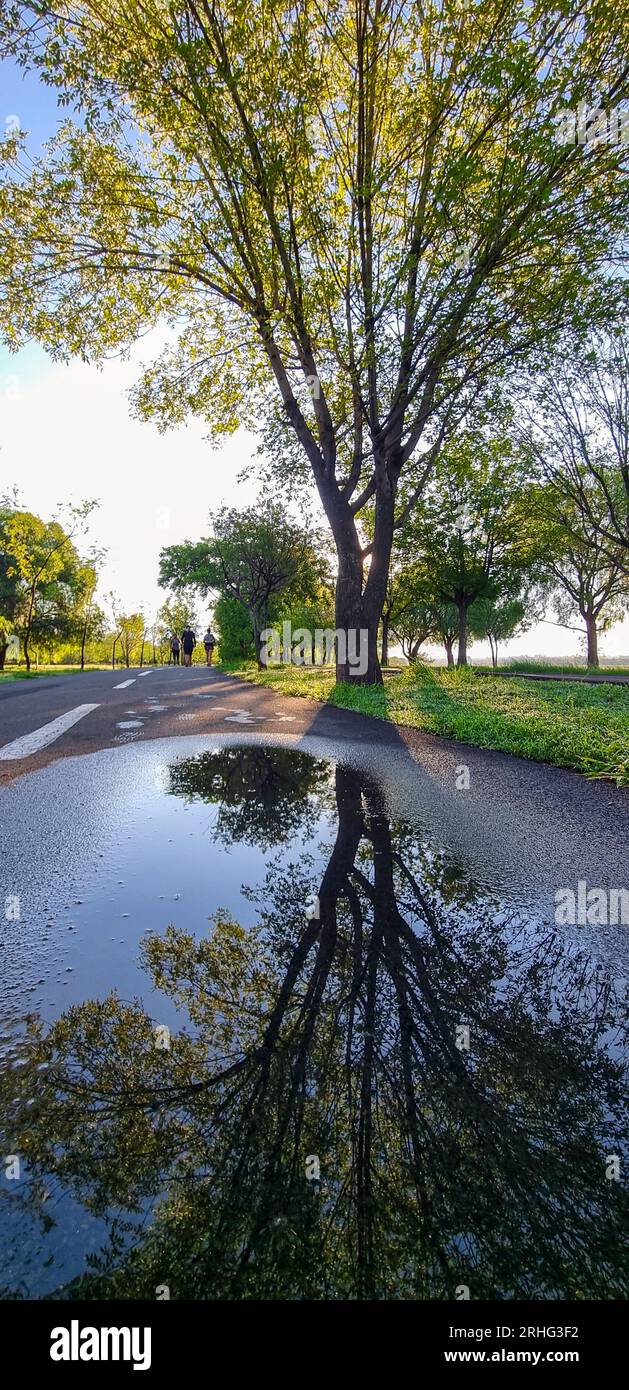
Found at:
(279, 1043)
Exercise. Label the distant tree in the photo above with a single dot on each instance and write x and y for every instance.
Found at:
(90, 618)
(413, 626)
(574, 415)
(495, 620)
(235, 632)
(252, 556)
(41, 557)
(446, 627)
(130, 634)
(307, 602)
(127, 633)
(11, 589)
(474, 532)
(176, 613)
(406, 590)
(589, 582)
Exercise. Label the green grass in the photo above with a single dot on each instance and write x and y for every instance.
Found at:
(585, 727)
(21, 674)
(558, 668)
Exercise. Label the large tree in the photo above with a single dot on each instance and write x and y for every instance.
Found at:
(358, 210)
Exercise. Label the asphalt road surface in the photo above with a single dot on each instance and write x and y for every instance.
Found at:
(61, 716)
(516, 822)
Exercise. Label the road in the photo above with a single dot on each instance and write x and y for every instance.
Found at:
(62, 716)
(516, 822)
(103, 846)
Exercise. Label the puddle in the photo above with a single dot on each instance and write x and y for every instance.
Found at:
(265, 1034)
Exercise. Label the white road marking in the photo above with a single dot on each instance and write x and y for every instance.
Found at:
(123, 684)
(145, 673)
(40, 738)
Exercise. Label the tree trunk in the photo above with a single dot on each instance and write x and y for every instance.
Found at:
(357, 624)
(461, 656)
(259, 623)
(449, 646)
(113, 655)
(4, 647)
(592, 640)
(358, 607)
(384, 650)
(84, 634)
(29, 624)
(142, 653)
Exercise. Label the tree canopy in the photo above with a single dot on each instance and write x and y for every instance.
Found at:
(352, 216)
(474, 533)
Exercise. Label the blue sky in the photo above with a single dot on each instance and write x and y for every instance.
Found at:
(34, 104)
(66, 432)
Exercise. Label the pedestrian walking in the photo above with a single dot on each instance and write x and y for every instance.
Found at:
(188, 642)
(175, 648)
(209, 642)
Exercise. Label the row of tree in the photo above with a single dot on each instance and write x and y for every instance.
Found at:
(47, 589)
(528, 509)
(48, 597)
(531, 508)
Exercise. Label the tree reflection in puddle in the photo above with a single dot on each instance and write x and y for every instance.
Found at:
(337, 1045)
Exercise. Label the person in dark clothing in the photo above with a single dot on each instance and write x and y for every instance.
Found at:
(188, 642)
(175, 648)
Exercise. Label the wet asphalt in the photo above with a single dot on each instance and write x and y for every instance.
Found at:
(525, 826)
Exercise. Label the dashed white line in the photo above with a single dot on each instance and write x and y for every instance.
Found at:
(123, 684)
(40, 738)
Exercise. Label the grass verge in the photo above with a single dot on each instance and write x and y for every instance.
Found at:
(22, 675)
(568, 724)
(558, 668)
